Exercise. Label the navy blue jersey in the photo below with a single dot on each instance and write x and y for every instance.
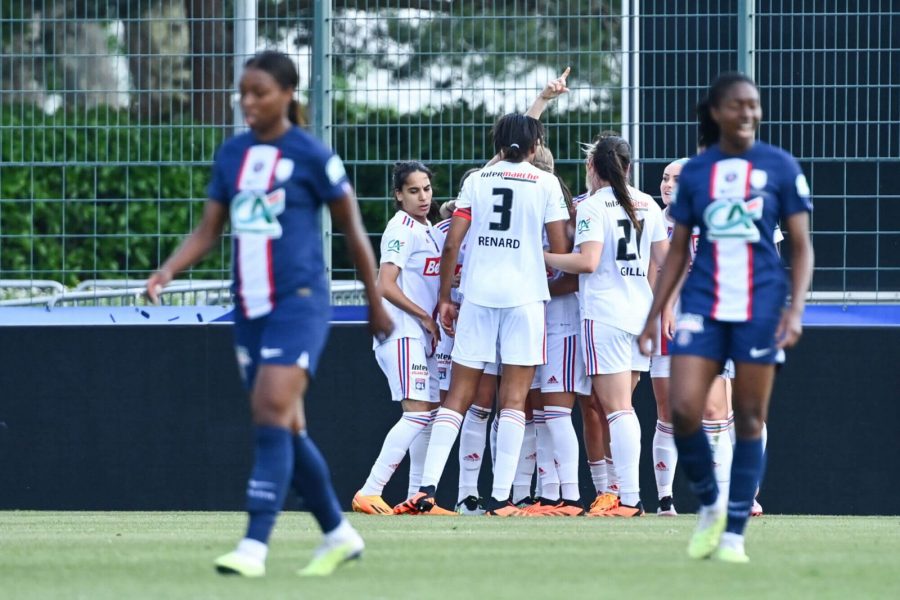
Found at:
(274, 191)
(737, 201)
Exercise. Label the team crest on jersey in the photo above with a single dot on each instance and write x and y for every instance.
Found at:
(584, 225)
(802, 186)
(256, 212)
(284, 168)
(758, 179)
(395, 246)
(733, 219)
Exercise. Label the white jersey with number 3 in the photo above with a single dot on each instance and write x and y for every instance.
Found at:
(508, 204)
(617, 293)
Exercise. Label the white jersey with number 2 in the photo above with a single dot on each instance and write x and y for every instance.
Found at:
(617, 293)
(508, 204)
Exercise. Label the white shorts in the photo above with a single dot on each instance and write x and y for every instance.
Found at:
(442, 356)
(410, 375)
(661, 367)
(608, 350)
(515, 335)
(564, 371)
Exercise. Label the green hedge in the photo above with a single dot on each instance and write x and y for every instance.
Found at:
(98, 194)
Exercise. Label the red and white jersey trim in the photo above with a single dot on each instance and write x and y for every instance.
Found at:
(255, 269)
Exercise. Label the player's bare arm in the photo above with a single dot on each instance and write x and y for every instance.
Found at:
(345, 213)
(658, 252)
(447, 310)
(676, 265)
(192, 249)
(387, 285)
(584, 262)
(554, 89)
(791, 326)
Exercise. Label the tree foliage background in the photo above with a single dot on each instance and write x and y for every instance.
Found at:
(101, 177)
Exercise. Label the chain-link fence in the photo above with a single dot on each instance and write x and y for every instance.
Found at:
(110, 111)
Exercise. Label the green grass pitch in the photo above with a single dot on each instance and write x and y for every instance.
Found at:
(169, 555)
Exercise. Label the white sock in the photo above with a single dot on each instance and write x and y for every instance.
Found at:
(510, 432)
(731, 430)
(253, 548)
(612, 478)
(625, 443)
(525, 467)
(707, 515)
(340, 533)
(444, 430)
(548, 477)
(565, 449)
(734, 541)
(493, 436)
(717, 432)
(396, 443)
(472, 438)
(418, 450)
(665, 457)
(599, 475)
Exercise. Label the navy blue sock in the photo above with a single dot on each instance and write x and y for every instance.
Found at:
(269, 480)
(695, 458)
(746, 472)
(312, 481)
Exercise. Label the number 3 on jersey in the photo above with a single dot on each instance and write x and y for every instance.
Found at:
(627, 249)
(504, 207)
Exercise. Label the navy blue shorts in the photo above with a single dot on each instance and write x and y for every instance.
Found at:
(745, 341)
(294, 333)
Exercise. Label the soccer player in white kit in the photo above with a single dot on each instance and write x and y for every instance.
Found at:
(504, 208)
(408, 278)
(617, 230)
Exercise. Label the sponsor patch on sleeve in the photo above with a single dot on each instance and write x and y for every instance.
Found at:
(334, 169)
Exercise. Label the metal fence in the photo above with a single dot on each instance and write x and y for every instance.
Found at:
(110, 112)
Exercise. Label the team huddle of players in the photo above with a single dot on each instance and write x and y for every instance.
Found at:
(525, 318)
(535, 299)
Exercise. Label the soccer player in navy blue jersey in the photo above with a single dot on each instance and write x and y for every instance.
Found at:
(270, 183)
(733, 301)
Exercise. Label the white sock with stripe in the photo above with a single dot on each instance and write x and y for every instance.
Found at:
(396, 443)
(625, 443)
(493, 436)
(599, 475)
(565, 449)
(548, 477)
(444, 430)
(525, 468)
(418, 450)
(665, 457)
(718, 434)
(472, 440)
(612, 478)
(510, 433)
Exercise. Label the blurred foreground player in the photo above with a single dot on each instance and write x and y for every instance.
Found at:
(271, 183)
(733, 301)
